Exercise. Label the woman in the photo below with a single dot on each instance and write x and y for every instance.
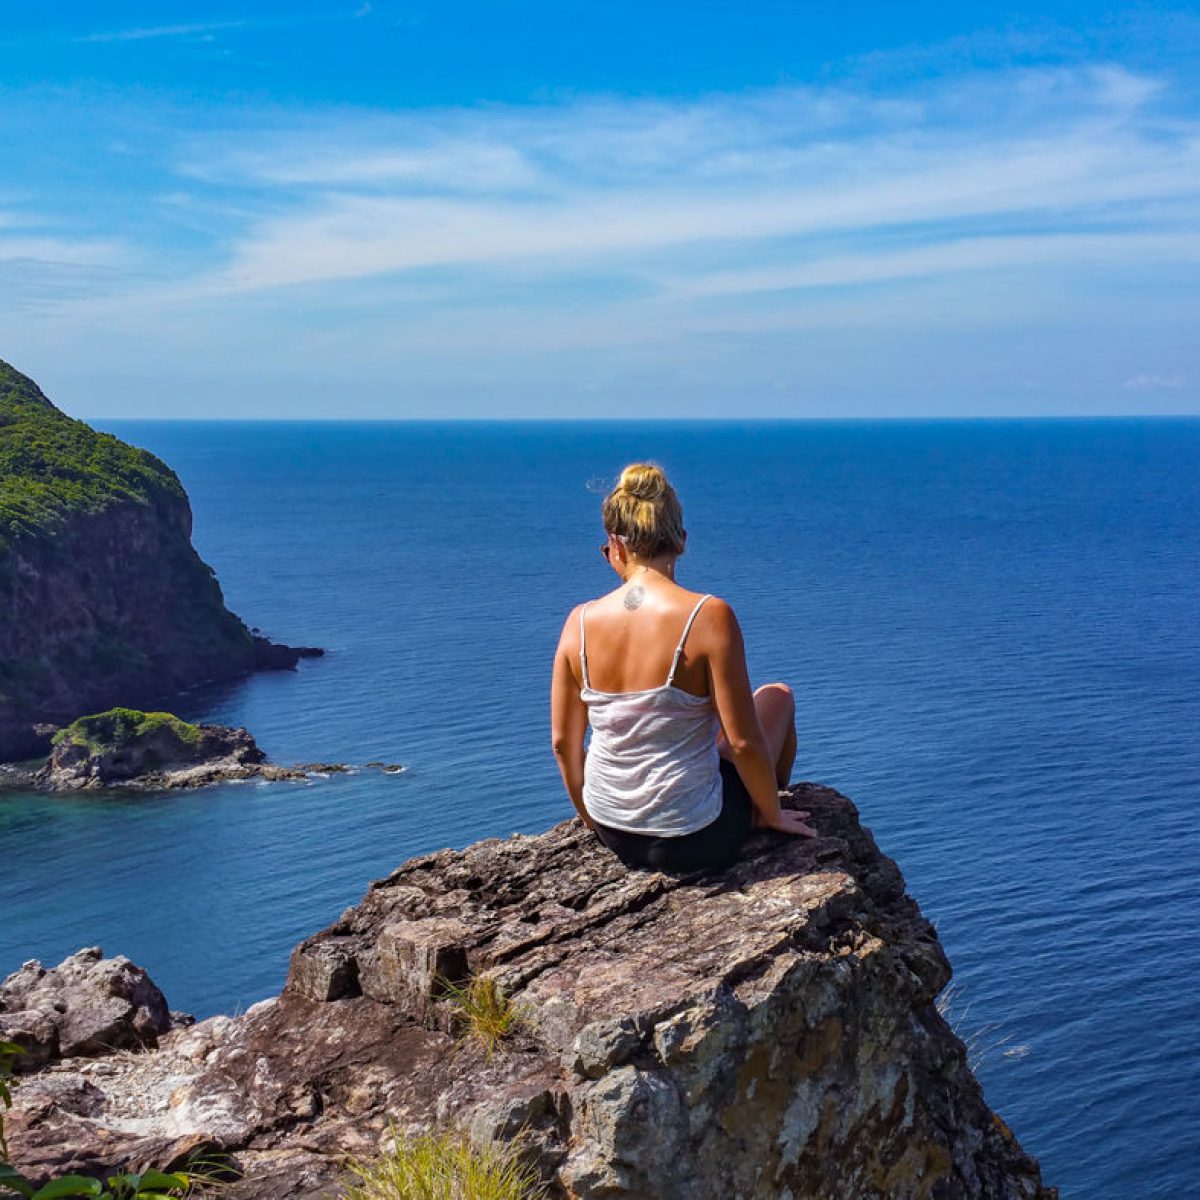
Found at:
(684, 760)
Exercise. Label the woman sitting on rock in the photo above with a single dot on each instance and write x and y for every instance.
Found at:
(684, 760)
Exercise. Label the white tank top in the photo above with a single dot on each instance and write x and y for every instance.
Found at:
(652, 765)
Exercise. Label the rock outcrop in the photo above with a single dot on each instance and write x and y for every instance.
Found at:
(103, 599)
(769, 1032)
(86, 1006)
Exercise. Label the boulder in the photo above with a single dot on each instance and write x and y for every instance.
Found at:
(88, 1005)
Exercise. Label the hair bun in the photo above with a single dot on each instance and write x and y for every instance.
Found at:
(643, 481)
(643, 511)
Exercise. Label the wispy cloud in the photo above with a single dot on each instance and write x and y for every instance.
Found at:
(771, 178)
(702, 243)
(954, 256)
(159, 31)
(40, 272)
(1155, 383)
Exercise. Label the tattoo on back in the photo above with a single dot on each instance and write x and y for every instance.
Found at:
(635, 596)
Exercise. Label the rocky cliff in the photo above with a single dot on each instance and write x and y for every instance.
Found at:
(103, 599)
(770, 1032)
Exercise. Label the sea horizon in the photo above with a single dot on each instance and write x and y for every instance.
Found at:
(999, 419)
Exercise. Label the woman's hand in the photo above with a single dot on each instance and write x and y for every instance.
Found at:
(791, 821)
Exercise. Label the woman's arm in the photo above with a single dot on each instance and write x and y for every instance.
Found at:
(568, 716)
(733, 699)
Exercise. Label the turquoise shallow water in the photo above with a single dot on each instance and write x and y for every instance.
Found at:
(992, 632)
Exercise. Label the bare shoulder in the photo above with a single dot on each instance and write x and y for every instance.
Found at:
(568, 640)
(716, 606)
(715, 622)
(717, 611)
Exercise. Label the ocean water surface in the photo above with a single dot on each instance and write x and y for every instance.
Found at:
(993, 635)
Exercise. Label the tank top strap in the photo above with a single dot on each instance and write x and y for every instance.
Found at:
(683, 638)
(583, 647)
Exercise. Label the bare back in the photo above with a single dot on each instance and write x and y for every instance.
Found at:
(630, 645)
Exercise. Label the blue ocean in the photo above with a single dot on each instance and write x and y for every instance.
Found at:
(992, 631)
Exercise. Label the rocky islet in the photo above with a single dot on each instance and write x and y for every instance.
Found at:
(125, 749)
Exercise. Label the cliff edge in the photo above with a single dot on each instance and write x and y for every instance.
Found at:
(103, 599)
(768, 1032)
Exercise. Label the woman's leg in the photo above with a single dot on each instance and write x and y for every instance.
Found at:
(776, 711)
(777, 715)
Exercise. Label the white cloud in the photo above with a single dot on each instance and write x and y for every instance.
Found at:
(351, 236)
(454, 164)
(955, 256)
(158, 31)
(1154, 383)
(728, 237)
(633, 182)
(65, 251)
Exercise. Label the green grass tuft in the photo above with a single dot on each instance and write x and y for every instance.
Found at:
(445, 1166)
(484, 1011)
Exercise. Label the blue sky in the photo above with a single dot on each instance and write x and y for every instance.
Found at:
(602, 209)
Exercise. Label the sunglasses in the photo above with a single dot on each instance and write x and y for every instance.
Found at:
(606, 547)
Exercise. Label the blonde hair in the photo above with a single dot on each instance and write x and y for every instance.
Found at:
(644, 511)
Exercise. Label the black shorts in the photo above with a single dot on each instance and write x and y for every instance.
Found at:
(712, 848)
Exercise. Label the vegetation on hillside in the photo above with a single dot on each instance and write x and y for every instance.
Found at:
(52, 465)
(105, 598)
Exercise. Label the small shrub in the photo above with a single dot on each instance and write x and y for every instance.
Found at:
(445, 1166)
(8, 1056)
(485, 1012)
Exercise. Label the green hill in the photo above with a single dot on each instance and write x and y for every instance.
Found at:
(53, 468)
(103, 600)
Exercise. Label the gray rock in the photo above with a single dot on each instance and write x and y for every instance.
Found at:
(88, 1005)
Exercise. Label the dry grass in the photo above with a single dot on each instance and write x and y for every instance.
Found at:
(444, 1166)
(484, 1011)
(981, 1041)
